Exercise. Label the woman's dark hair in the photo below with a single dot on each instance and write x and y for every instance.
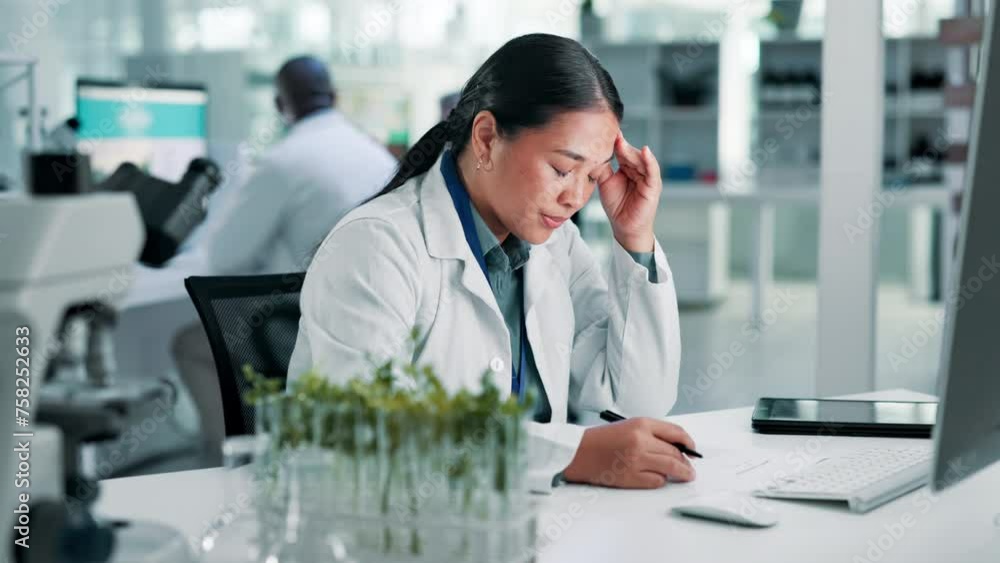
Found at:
(524, 84)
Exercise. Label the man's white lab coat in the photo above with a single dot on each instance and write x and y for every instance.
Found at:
(299, 189)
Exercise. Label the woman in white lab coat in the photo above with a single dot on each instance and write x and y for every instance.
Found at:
(471, 242)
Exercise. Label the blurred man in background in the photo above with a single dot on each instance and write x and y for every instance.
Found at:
(274, 222)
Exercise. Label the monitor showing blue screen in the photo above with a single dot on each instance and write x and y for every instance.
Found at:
(159, 129)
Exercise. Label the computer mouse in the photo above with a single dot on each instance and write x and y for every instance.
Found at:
(731, 508)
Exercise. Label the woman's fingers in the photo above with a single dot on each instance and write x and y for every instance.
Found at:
(640, 161)
(649, 480)
(652, 166)
(655, 455)
(628, 155)
(658, 455)
(632, 173)
(606, 174)
(671, 433)
(659, 447)
(669, 467)
(613, 182)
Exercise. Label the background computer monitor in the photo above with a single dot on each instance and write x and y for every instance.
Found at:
(158, 128)
(967, 433)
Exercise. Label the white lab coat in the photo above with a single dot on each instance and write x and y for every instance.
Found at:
(300, 188)
(402, 261)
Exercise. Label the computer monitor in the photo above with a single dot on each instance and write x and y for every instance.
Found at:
(967, 433)
(159, 128)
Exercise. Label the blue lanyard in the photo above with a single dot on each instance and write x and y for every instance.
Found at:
(460, 197)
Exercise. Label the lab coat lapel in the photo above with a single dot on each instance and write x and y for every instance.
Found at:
(540, 271)
(541, 314)
(445, 239)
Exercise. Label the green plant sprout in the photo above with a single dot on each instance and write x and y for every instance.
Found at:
(401, 415)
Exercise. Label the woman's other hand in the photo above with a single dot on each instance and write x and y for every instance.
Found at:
(631, 195)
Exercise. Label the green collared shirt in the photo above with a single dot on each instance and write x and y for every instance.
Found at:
(505, 270)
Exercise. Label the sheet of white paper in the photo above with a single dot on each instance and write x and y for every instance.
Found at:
(736, 469)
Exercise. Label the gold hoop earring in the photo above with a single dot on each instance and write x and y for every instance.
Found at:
(479, 165)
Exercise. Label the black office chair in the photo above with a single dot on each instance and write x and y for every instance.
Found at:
(249, 320)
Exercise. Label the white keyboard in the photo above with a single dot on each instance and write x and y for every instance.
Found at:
(864, 480)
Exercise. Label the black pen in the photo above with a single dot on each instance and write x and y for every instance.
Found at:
(612, 416)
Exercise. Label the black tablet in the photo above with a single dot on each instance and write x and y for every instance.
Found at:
(898, 419)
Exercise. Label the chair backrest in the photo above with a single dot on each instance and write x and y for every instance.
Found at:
(249, 320)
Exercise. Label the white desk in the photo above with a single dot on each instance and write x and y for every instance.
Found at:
(584, 524)
(152, 286)
(150, 314)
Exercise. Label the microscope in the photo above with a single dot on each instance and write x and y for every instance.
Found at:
(66, 260)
